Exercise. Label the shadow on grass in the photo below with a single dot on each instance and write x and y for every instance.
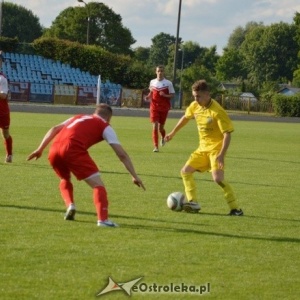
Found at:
(78, 213)
(173, 229)
(26, 164)
(264, 159)
(201, 232)
(157, 176)
(198, 178)
(142, 218)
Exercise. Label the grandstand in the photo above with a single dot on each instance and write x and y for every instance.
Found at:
(33, 78)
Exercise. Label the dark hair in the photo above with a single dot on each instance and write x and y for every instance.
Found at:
(103, 110)
(160, 67)
(200, 86)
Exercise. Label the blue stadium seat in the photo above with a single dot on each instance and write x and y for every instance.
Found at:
(38, 71)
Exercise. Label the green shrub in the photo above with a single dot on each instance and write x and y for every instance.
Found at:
(287, 106)
(8, 44)
(94, 59)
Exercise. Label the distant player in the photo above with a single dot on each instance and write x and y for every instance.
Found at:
(214, 127)
(69, 154)
(5, 115)
(161, 93)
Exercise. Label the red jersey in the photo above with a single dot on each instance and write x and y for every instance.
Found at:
(69, 151)
(81, 132)
(159, 102)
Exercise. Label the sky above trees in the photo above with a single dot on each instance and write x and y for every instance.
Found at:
(207, 22)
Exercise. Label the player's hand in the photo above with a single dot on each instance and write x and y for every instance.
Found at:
(35, 154)
(139, 183)
(167, 138)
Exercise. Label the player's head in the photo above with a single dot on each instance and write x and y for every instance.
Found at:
(200, 90)
(201, 86)
(160, 72)
(104, 110)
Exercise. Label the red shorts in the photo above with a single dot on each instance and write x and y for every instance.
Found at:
(5, 121)
(158, 116)
(77, 162)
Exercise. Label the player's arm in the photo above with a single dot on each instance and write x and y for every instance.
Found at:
(163, 94)
(149, 96)
(225, 146)
(170, 92)
(45, 141)
(111, 138)
(3, 89)
(125, 159)
(181, 123)
(167, 93)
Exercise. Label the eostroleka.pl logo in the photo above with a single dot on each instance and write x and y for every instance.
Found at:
(133, 286)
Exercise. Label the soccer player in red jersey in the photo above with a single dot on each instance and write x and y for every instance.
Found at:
(69, 154)
(5, 114)
(161, 93)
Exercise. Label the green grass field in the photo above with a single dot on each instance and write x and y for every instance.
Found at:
(252, 257)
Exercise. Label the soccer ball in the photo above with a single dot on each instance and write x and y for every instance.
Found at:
(175, 201)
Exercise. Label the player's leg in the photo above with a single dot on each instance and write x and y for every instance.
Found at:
(155, 136)
(65, 185)
(196, 162)
(162, 120)
(218, 177)
(189, 182)
(66, 191)
(100, 200)
(154, 118)
(162, 132)
(8, 143)
(99, 195)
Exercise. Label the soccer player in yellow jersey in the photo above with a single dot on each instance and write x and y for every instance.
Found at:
(214, 127)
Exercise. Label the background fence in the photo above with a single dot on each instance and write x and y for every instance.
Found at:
(79, 95)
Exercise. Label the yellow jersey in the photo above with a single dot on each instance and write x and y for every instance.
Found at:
(212, 123)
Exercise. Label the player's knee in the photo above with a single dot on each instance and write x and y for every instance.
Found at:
(184, 173)
(5, 134)
(186, 169)
(218, 181)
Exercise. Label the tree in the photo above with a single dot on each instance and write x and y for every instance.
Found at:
(160, 48)
(230, 66)
(137, 76)
(296, 75)
(105, 27)
(142, 54)
(270, 53)
(208, 58)
(17, 21)
(190, 51)
(297, 24)
(237, 37)
(192, 74)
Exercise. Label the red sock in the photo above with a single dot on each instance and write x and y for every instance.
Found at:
(101, 203)
(155, 137)
(8, 145)
(66, 190)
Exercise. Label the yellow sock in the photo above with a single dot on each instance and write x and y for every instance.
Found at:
(229, 195)
(189, 186)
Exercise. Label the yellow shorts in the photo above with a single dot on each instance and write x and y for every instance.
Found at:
(203, 161)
